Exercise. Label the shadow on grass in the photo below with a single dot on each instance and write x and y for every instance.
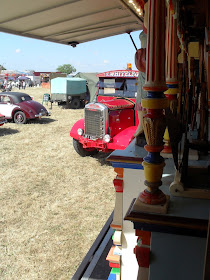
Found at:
(63, 105)
(42, 121)
(7, 131)
(101, 158)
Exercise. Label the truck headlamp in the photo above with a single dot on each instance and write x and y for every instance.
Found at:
(107, 138)
(80, 131)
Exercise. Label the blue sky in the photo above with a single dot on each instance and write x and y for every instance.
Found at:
(20, 53)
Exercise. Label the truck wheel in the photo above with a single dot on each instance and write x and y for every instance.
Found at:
(82, 103)
(75, 103)
(83, 152)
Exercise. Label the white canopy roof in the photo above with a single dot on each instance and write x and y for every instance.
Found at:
(68, 21)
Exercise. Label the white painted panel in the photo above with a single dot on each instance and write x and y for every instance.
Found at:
(133, 184)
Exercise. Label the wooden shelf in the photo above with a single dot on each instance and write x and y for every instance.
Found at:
(169, 223)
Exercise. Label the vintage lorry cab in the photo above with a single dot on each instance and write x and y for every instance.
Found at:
(110, 121)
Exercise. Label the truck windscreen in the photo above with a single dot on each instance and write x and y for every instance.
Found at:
(119, 87)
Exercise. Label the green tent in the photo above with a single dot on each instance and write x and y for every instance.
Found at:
(92, 80)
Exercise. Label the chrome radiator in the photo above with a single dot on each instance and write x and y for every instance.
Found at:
(96, 121)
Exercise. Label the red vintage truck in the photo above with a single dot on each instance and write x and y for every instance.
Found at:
(110, 122)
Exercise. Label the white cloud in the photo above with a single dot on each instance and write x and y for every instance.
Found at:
(106, 61)
(17, 50)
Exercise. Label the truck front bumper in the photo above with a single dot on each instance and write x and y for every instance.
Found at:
(97, 144)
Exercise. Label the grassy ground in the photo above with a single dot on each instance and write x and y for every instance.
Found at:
(53, 203)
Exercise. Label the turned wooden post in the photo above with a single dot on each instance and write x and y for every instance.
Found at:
(171, 69)
(154, 121)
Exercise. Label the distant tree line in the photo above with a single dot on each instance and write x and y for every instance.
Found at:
(66, 68)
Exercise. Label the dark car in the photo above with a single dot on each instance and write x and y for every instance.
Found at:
(19, 107)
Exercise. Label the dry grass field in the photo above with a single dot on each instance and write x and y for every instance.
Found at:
(53, 203)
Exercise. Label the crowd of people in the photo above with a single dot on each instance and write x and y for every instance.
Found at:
(20, 84)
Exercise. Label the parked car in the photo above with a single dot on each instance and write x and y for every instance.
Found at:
(2, 119)
(19, 107)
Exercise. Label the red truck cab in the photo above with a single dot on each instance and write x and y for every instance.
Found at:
(110, 121)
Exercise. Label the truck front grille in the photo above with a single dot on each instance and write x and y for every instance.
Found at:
(94, 124)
